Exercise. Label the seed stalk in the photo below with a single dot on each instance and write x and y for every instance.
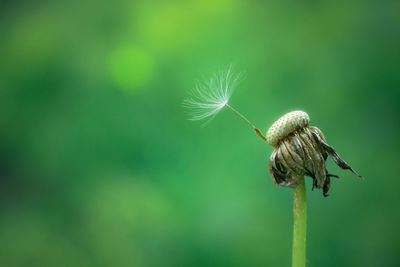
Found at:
(299, 225)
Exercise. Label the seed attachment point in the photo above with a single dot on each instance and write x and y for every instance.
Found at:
(285, 125)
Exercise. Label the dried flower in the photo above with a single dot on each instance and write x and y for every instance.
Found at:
(300, 150)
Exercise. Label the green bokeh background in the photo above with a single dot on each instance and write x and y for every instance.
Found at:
(100, 167)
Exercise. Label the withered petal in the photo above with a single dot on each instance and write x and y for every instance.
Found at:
(293, 153)
(275, 168)
(326, 186)
(317, 160)
(332, 175)
(315, 130)
(319, 132)
(318, 154)
(289, 158)
(275, 176)
(335, 156)
(279, 170)
(281, 159)
(272, 158)
(302, 151)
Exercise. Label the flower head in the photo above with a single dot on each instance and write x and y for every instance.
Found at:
(300, 150)
(209, 97)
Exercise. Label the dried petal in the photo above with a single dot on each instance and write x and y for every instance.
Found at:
(292, 158)
(302, 151)
(317, 160)
(279, 171)
(326, 186)
(335, 156)
(278, 177)
(319, 155)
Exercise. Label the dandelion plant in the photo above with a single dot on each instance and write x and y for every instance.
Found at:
(299, 150)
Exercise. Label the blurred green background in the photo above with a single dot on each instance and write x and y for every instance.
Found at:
(100, 167)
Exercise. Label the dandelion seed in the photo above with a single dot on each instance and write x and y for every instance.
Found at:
(208, 98)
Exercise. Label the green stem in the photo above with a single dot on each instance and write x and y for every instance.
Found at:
(300, 225)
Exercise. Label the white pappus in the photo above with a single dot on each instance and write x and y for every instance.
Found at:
(209, 97)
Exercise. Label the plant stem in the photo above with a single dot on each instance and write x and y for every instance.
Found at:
(299, 225)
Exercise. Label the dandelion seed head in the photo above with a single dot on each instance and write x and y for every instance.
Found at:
(209, 97)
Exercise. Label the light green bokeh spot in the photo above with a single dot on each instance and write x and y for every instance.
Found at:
(131, 67)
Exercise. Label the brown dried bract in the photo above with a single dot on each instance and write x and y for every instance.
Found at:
(304, 152)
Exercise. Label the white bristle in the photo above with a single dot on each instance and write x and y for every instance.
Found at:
(208, 98)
